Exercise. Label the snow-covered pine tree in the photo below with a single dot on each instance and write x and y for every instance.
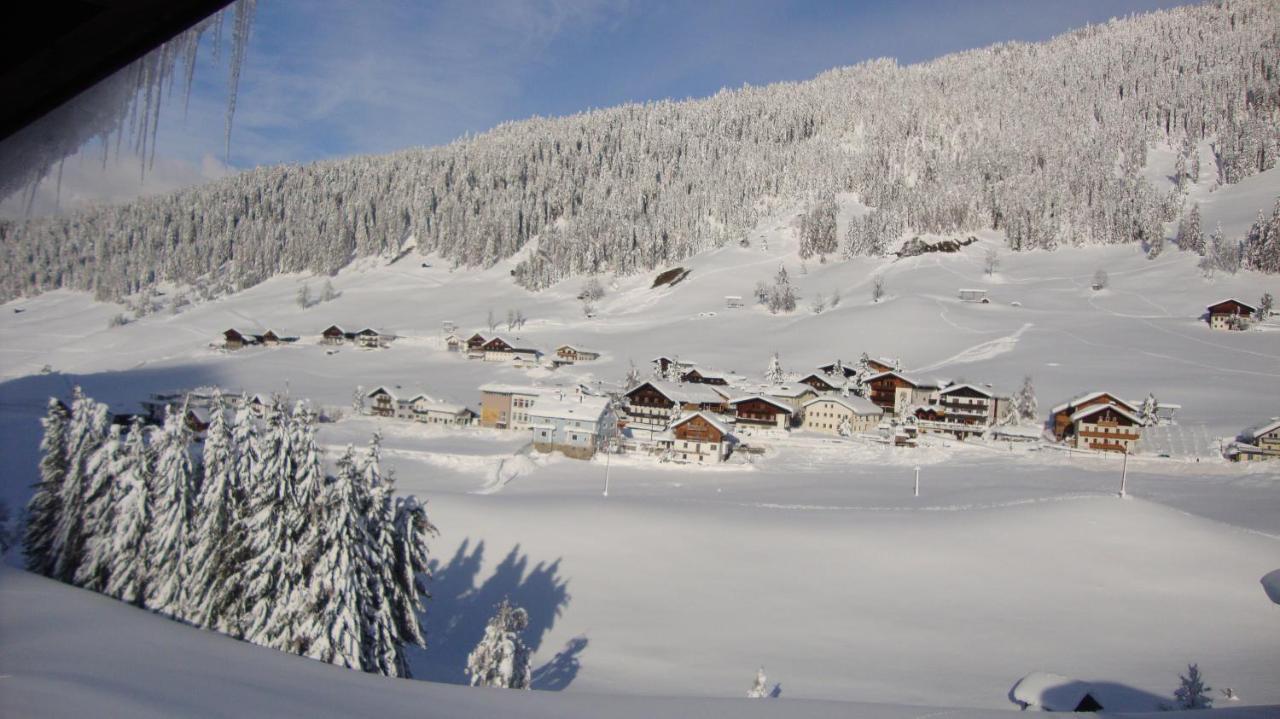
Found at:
(88, 428)
(1148, 411)
(774, 374)
(130, 562)
(271, 570)
(1192, 693)
(759, 689)
(412, 528)
(176, 486)
(1265, 305)
(45, 505)
(382, 649)
(105, 465)
(304, 524)
(1226, 253)
(335, 627)
(1190, 236)
(218, 508)
(1026, 408)
(501, 659)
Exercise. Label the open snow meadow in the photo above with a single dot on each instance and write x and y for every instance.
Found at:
(813, 558)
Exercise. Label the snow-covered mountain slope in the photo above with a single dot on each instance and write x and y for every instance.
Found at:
(815, 560)
(1044, 142)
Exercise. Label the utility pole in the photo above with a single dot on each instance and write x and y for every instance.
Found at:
(607, 452)
(1124, 473)
(917, 481)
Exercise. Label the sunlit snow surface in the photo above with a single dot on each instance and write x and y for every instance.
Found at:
(815, 561)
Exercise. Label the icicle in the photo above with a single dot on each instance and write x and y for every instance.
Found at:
(239, 45)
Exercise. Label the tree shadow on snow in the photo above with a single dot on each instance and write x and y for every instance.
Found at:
(461, 606)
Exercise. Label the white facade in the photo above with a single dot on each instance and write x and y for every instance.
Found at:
(841, 415)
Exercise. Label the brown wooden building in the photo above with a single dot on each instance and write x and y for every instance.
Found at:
(1060, 416)
(1107, 428)
(819, 382)
(333, 335)
(699, 437)
(883, 388)
(1230, 314)
(760, 411)
(698, 376)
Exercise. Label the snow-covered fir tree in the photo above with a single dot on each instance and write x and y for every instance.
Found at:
(774, 374)
(219, 507)
(502, 659)
(1261, 247)
(130, 561)
(103, 470)
(176, 484)
(1193, 693)
(782, 296)
(411, 567)
(1148, 411)
(383, 643)
(1265, 305)
(88, 428)
(1190, 237)
(45, 505)
(1025, 406)
(339, 582)
(818, 229)
(273, 564)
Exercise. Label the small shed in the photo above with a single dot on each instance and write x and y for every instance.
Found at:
(733, 302)
(1054, 693)
(972, 295)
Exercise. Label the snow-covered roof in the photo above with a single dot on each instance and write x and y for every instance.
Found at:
(577, 348)
(1092, 396)
(447, 408)
(576, 407)
(821, 376)
(711, 374)
(1097, 408)
(1245, 305)
(720, 425)
(498, 388)
(690, 393)
(895, 373)
(857, 405)
(785, 390)
(973, 289)
(1260, 429)
(1051, 692)
(957, 387)
(381, 390)
(780, 405)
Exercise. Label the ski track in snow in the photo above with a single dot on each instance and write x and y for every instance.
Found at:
(984, 351)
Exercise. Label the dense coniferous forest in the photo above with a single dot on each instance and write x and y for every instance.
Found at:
(1042, 141)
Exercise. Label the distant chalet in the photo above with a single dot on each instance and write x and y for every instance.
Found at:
(1230, 314)
(234, 339)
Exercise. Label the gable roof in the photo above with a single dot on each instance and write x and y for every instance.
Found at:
(957, 387)
(710, 419)
(786, 390)
(1095, 409)
(821, 377)
(1245, 305)
(895, 373)
(1092, 396)
(780, 405)
(850, 369)
(578, 407)
(381, 390)
(498, 388)
(683, 393)
(1052, 692)
(857, 405)
(1260, 429)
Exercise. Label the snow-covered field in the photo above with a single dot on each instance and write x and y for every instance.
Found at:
(815, 561)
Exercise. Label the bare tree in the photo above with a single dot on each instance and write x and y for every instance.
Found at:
(877, 288)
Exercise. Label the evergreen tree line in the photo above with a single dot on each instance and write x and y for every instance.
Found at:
(1258, 250)
(1045, 142)
(248, 535)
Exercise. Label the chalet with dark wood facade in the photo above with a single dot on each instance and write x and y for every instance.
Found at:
(234, 339)
(1261, 442)
(895, 392)
(1107, 428)
(762, 412)
(700, 437)
(1060, 416)
(498, 349)
(963, 410)
(569, 354)
(334, 335)
(840, 369)
(651, 406)
(821, 382)
(701, 376)
(1230, 314)
(663, 364)
(382, 402)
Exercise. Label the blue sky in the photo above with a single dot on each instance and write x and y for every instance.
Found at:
(331, 78)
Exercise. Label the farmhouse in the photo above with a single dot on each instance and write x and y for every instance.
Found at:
(663, 364)
(1108, 427)
(1060, 416)
(333, 335)
(234, 339)
(506, 406)
(382, 402)
(569, 354)
(370, 338)
(841, 415)
(1260, 442)
(576, 426)
(446, 414)
(498, 349)
(821, 382)
(793, 395)
(475, 346)
(839, 369)
(894, 392)
(963, 410)
(1230, 314)
(702, 376)
(700, 437)
(652, 405)
(762, 412)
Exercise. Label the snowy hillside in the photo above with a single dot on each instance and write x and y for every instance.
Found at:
(814, 560)
(1042, 143)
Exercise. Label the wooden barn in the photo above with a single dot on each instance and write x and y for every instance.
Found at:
(1230, 314)
(234, 339)
(333, 335)
(820, 382)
